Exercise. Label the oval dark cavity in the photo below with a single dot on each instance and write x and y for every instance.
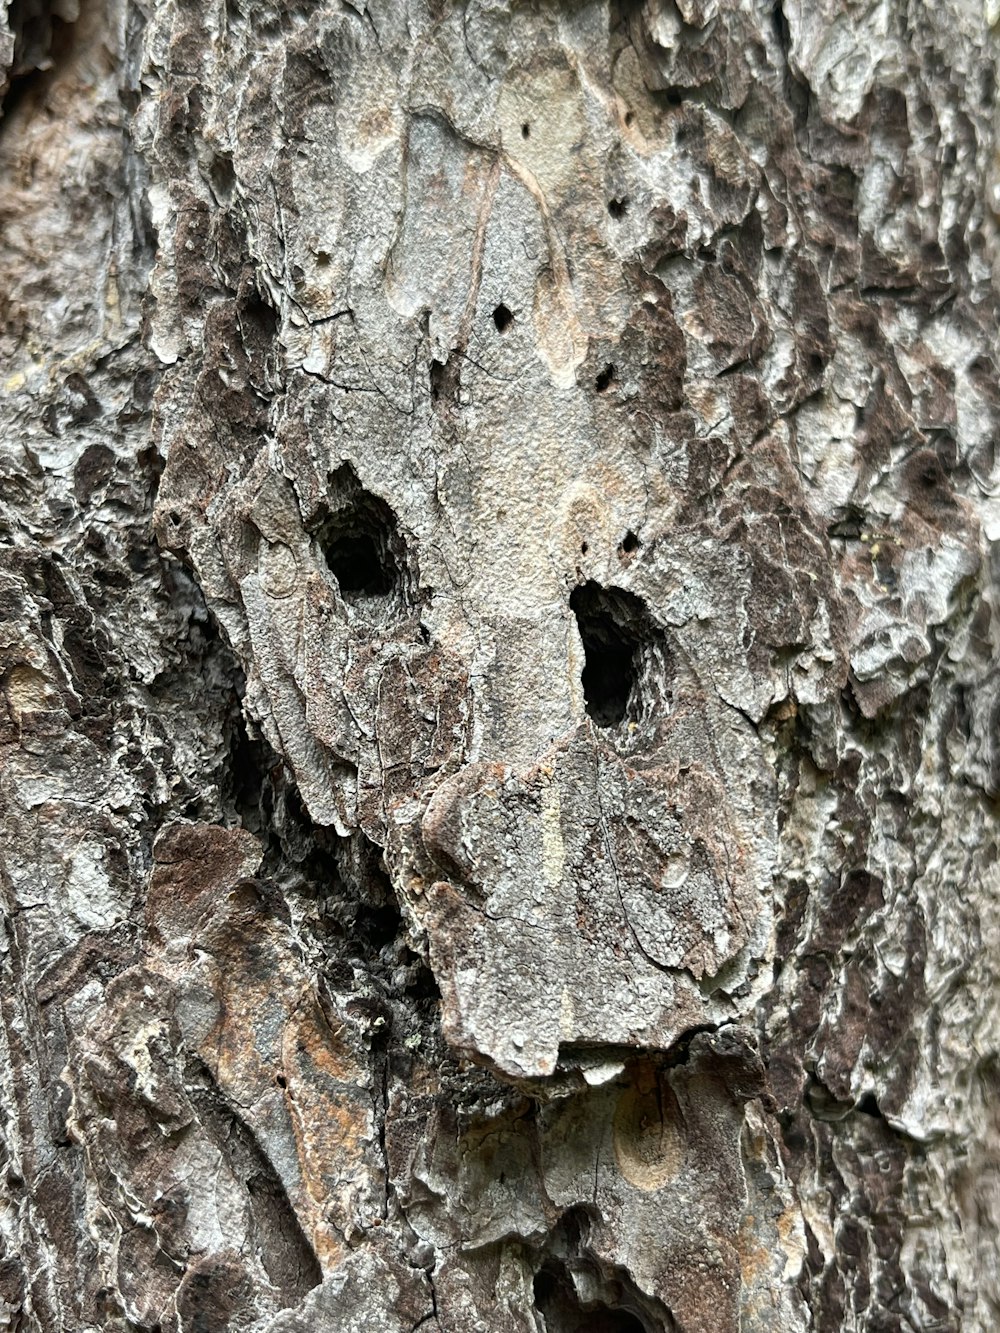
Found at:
(360, 540)
(561, 1308)
(222, 174)
(609, 621)
(502, 318)
(617, 208)
(358, 565)
(605, 378)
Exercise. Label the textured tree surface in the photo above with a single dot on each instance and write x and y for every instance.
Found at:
(498, 692)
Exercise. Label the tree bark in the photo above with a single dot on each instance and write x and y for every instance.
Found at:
(498, 671)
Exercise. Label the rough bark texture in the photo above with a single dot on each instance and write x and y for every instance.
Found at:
(498, 640)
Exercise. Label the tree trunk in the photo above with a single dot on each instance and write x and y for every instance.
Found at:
(498, 666)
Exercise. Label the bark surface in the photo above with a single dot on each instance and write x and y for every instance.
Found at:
(498, 666)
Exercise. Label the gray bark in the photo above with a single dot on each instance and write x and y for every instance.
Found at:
(498, 666)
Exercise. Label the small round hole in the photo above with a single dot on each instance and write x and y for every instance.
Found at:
(618, 208)
(629, 543)
(629, 117)
(525, 131)
(584, 548)
(502, 318)
(605, 378)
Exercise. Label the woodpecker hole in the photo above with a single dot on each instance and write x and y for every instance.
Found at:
(605, 378)
(608, 622)
(360, 541)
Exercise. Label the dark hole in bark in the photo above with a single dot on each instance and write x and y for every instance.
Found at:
(223, 177)
(360, 541)
(606, 620)
(421, 984)
(617, 208)
(814, 364)
(377, 926)
(562, 1311)
(630, 542)
(502, 318)
(358, 916)
(850, 523)
(358, 566)
(42, 43)
(605, 378)
(443, 378)
(546, 1285)
(572, 1230)
(258, 319)
(629, 117)
(244, 780)
(525, 131)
